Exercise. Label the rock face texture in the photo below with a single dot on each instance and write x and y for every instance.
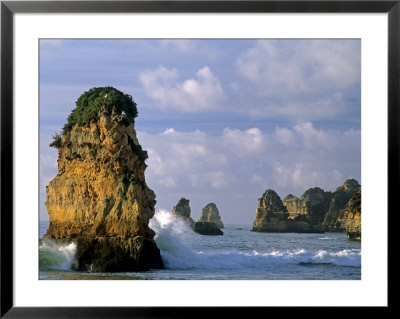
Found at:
(324, 210)
(205, 228)
(210, 214)
(317, 202)
(99, 197)
(295, 206)
(182, 210)
(351, 216)
(339, 201)
(273, 216)
(210, 222)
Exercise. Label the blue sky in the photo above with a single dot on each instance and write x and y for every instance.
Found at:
(222, 120)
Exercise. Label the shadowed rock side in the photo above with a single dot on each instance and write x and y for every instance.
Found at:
(210, 214)
(273, 216)
(182, 210)
(205, 228)
(210, 222)
(351, 217)
(99, 197)
(339, 201)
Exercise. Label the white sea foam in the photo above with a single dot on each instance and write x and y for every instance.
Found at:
(174, 234)
(54, 255)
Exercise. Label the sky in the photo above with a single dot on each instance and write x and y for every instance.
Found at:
(222, 120)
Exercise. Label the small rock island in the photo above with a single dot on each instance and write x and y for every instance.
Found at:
(99, 199)
(210, 222)
(316, 211)
(182, 210)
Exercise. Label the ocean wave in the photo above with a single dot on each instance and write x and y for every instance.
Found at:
(173, 234)
(55, 256)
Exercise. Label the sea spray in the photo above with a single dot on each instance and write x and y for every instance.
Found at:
(170, 234)
(173, 236)
(54, 255)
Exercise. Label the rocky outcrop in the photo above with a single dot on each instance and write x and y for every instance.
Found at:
(324, 210)
(351, 216)
(205, 228)
(273, 216)
(99, 197)
(317, 203)
(333, 220)
(210, 222)
(182, 210)
(295, 206)
(210, 214)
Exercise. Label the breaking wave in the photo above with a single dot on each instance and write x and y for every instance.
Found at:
(55, 256)
(173, 236)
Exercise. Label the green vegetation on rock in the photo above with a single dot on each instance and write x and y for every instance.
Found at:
(92, 102)
(56, 141)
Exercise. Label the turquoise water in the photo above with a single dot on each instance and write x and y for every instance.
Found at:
(238, 254)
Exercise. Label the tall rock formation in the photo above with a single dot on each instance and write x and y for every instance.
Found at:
(210, 214)
(324, 210)
(273, 216)
(182, 210)
(210, 222)
(295, 206)
(99, 198)
(351, 216)
(339, 201)
(317, 203)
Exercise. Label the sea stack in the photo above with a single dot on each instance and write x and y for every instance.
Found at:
(99, 198)
(210, 214)
(210, 222)
(272, 216)
(353, 216)
(182, 210)
(333, 219)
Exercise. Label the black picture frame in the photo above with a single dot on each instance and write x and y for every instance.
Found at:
(9, 8)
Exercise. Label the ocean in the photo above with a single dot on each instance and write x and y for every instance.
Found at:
(238, 254)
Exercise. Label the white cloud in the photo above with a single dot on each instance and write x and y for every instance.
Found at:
(296, 67)
(182, 45)
(244, 143)
(284, 135)
(301, 176)
(288, 159)
(203, 92)
(300, 80)
(314, 138)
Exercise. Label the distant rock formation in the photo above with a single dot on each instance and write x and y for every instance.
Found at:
(273, 216)
(205, 228)
(351, 216)
(210, 222)
(317, 203)
(324, 210)
(182, 210)
(339, 201)
(295, 206)
(210, 214)
(99, 198)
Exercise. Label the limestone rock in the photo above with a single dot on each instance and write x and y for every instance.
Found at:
(273, 216)
(339, 201)
(100, 193)
(210, 214)
(351, 216)
(117, 254)
(206, 228)
(295, 206)
(317, 203)
(182, 210)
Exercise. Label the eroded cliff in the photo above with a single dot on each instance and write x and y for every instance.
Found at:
(100, 194)
(182, 210)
